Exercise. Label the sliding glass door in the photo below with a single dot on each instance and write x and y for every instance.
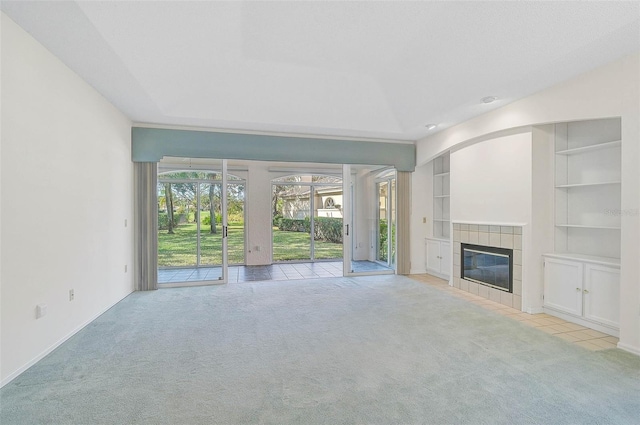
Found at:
(236, 236)
(177, 223)
(386, 219)
(292, 222)
(307, 218)
(193, 225)
(210, 224)
(369, 245)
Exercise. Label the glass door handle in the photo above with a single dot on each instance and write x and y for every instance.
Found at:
(347, 234)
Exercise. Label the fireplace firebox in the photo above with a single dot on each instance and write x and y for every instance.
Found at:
(487, 265)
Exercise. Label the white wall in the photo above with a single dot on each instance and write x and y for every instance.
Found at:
(491, 180)
(541, 231)
(1, 203)
(66, 193)
(421, 215)
(609, 91)
(258, 214)
(365, 216)
(630, 234)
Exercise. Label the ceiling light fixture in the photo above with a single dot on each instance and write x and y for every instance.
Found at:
(489, 99)
(430, 126)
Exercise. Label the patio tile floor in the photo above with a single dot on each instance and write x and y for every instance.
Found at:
(571, 332)
(279, 271)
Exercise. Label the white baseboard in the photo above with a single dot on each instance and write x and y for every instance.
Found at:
(55, 345)
(418, 271)
(534, 310)
(582, 322)
(440, 275)
(629, 348)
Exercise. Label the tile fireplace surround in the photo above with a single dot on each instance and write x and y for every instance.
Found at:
(491, 235)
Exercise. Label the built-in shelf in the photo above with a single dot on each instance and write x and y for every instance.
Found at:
(584, 226)
(588, 170)
(441, 203)
(582, 276)
(592, 148)
(566, 186)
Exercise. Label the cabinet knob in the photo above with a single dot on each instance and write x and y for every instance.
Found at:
(586, 292)
(578, 289)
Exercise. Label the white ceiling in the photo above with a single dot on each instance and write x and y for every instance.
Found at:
(348, 69)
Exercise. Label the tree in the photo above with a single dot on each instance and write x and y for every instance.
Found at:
(169, 203)
(212, 210)
(277, 190)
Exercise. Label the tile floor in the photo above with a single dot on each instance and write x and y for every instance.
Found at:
(280, 271)
(579, 335)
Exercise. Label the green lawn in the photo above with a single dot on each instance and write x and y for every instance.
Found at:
(179, 249)
(297, 246)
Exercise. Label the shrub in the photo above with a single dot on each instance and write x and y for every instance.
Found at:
(236, 217)
(383, 241)
(236, 220)
(327, 229)
(294, 225)
(206, 220)
(163, 220)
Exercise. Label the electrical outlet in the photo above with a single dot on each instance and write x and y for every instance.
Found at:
(71, 295)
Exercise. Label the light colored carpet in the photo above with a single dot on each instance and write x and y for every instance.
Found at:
(379, 350)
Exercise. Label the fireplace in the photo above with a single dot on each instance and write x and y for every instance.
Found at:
(487, 265)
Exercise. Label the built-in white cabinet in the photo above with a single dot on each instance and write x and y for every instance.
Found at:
(438, 261)
(563, 285)
(602, 294)
(583, 290)
(441, 197)
(582, 276)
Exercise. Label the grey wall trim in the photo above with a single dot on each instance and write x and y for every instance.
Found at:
(152, 144)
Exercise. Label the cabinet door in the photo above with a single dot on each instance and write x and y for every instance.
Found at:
(445, 258)
(433, 255)
(602, 294)
(563, 285)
